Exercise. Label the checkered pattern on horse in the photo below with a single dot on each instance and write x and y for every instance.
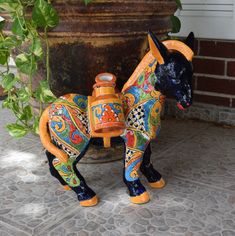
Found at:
(82, 116)
(135, 118)
(129, 154)
(61, 146)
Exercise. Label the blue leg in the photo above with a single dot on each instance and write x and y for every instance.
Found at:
(138, 193)
(69, 176)
(153, 176)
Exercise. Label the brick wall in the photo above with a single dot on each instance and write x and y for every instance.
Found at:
(214, 67)
(214, 83)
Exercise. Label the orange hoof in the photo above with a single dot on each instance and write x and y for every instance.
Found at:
(66, 187)
(141, 199)
(90, 202)
(159, 184)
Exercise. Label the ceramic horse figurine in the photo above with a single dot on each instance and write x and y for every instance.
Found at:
(65, 129)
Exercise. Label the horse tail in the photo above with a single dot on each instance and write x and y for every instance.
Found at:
(46, 139)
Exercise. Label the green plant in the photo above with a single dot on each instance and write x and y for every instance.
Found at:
(31, 20)
(28, 42)
(176, 24)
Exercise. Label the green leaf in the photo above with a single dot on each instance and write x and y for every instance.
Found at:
(11, 102)
(27, 113)
(44, 15)
(178, 3)
(43, 93)
(17, 130)
(87, 1)
(9, 43)
(23, 94)
(28, 2)
(26, 64)
(36, 125)
(4, 56)
(8, 81)
(10, 5)
(36, 48)
(176, 24)
(18, 26)
(8, 102)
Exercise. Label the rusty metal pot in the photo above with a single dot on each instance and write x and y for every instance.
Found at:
(103, 36)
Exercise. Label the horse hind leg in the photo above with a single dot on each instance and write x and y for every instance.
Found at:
(68, 174)
(54, 172)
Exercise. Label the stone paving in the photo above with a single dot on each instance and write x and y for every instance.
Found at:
(196, 159)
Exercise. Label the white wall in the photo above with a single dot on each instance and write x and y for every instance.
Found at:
(213, 19)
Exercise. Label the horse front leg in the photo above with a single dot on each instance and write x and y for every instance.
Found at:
(135, 147)
(153, 176)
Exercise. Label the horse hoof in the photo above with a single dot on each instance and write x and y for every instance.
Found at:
(66, 188)
(90, 202)
(158, 184)
(141, 199)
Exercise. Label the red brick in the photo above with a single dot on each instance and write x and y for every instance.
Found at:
(216, 85)
(196, 44)
(220, 101)
(194, 83)
(209, 66)
(233, 103)
(217, 49)
(231, 68)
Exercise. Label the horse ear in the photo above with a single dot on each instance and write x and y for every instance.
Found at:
(189, 41)
(157, 48)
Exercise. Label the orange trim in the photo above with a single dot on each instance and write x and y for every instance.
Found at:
(141, 199)
(46, 139)
(180, 47)
(115, 126)
(107, 142)
(154, 50)
(104, 91)
(91, 202)
(66, 188)
(107, 100)
(159, 184)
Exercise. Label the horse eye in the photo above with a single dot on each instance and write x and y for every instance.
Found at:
(175, 81)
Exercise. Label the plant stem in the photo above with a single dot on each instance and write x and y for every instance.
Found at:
(31, 77)
(40, 108)
(47, 55)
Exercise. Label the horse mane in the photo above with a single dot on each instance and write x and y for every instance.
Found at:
(139, 69)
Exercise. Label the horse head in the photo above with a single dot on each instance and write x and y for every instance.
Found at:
(174, 71)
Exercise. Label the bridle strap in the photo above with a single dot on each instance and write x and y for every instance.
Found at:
(180, 47)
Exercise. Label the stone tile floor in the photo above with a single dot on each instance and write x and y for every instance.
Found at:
(196, 159)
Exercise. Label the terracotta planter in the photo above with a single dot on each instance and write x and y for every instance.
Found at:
(103, 36)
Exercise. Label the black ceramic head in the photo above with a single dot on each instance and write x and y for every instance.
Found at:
(174, 71)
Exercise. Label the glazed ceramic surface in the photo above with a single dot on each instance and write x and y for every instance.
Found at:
(134, 114)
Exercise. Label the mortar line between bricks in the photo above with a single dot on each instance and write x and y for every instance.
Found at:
(16, 226)
(40, 230)
(13, 228)
(74, 209)
(180, 142)
(211, 186)
(21, 150)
